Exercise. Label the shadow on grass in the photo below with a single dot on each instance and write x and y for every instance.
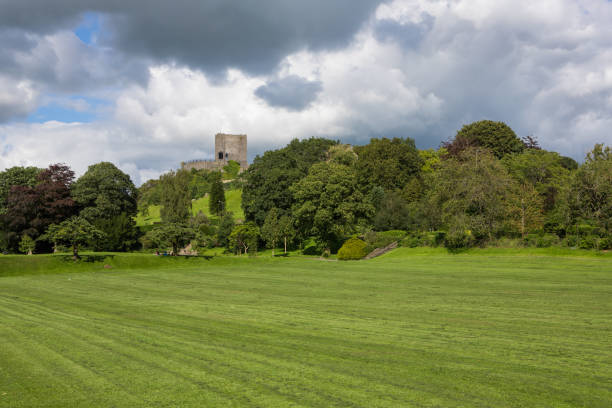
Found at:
(85, 258)
(92, 258)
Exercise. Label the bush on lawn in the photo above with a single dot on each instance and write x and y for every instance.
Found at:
(353, 248)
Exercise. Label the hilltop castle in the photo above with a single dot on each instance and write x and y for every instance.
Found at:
(227, 147)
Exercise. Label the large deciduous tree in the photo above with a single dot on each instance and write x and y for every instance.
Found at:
(16, 176)
(473, 190)
(175, 199)
(495, 136)
(389, 163)
(244, 237)
(268, 179)
(31, 209)
(108, 199)
(270, 231)
(74, 231)
(590, 194)
(174, 235)
(329, 203)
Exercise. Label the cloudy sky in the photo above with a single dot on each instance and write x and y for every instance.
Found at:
(147, 84)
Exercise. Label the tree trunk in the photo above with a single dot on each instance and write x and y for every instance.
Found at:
(285, 244)
(75, 252)
(523, 218)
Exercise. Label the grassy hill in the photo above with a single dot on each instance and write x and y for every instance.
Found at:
(233, 200)
(411, 328)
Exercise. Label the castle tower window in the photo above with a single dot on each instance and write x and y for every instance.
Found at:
(226, 155)
(220, 155)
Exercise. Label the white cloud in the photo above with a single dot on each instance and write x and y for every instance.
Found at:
(544, 68)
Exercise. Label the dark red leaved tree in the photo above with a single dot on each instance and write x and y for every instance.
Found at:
(30, 210)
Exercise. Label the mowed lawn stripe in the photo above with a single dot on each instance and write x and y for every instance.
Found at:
(335, 381)
(417, 331)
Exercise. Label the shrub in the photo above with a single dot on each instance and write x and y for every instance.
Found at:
(588, 242)
(353, 248)
(540, 240)
(605, 243)
(438, 237)
(311, 248)
(572, 240)
(587, 230)
(411, 241)
(458, 239)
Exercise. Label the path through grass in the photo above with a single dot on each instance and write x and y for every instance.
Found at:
(403, 330)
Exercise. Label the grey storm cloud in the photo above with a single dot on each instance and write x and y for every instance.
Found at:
(211, 35)
(408, 35)
(291, 92)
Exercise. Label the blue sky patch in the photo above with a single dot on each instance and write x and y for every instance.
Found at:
(74, 109)
(89, 27)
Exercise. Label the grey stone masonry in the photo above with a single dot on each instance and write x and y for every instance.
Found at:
(227, 147)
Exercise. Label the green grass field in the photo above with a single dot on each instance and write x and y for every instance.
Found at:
(233, 201)
(414, 328)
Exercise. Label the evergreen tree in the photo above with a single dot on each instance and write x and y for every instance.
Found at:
(225, 229)
(216, 202)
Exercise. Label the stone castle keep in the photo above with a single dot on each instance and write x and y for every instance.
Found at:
(227, 147)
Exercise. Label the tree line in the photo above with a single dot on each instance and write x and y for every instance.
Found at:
(485, 186)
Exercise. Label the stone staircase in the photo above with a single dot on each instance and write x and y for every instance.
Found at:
(381, 251)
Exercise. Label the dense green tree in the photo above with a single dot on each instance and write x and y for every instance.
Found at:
(268, 179)
(590, 193)
(74, 231)
(149, 193)
(174, 197)
(389, 163)
(226, 225)
(120, 233)
(526, 209)
(541, 169)
(244, 237)
(16, 176)
(205, 232)
(104, 191)
(270, 231)
(175, 235)
(286, 230)
(393, 213)
(216, 202)
(431, 159)
(108, 199)
(495, 136)
(329, 203)
(231, 170)
(27, 245)
(199, 185)
(473, 190)
(569, 163)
